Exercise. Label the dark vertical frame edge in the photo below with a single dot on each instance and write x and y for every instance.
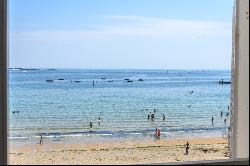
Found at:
(3, 83)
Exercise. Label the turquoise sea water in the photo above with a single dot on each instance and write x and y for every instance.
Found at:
(65, 107)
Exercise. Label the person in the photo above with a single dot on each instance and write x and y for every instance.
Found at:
(221, 113)
(163, 117)
(225, 121)
(158, 134)
(41, 140)
(91, 124)
(152, 116)
(187, 148)
(155, 133)
(228, 107)
(227, 114)
(148, 117)
(154, 110)
(93, 83)
(212, 120)
(99, 121)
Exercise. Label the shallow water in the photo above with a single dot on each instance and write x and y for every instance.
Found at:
(64, 108)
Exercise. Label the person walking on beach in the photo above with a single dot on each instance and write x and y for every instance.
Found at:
(187, 148)
(212, 120)
(41, 140)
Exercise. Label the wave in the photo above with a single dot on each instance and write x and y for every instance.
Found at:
(119, 133)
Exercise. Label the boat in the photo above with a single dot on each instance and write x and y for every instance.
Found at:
(224, 82)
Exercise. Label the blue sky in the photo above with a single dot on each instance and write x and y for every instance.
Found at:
(130, 34)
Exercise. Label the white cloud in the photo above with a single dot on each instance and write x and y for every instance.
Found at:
(140, 27)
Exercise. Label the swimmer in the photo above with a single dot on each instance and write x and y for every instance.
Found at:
(99, 121)
(163, 118)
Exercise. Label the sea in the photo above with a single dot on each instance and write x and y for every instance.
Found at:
(60, 104)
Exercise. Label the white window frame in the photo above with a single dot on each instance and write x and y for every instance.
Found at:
(239, 132)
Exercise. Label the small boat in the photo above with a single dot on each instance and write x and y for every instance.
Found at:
(140, 79)
(126, 79)
(224, 82)
(129, 81)
(49, 80)
(103, 78)
(77, 81)
(61, 79)
(111, 81)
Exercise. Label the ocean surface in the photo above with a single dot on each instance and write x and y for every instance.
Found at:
(63, 108)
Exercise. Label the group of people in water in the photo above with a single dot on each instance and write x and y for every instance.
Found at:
(221, 115)
(98, 122)
(152, 115)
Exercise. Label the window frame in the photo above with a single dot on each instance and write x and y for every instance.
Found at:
(235, 96)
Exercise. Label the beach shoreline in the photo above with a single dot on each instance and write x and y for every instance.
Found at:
(120, 152)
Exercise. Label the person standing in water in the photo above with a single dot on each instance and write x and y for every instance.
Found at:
(91, 124)
(163, 118)
(221, 114)
(212, 120)
(157, 134)
(93, 83)
(99, 121)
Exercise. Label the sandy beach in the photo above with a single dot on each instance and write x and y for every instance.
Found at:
(120, 152)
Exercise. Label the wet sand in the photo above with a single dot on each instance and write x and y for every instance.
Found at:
(120, 152)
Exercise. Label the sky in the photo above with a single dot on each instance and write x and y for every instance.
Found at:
(120, 34)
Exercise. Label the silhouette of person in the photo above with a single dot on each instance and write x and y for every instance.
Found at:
(163, 117)
(187, 148)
